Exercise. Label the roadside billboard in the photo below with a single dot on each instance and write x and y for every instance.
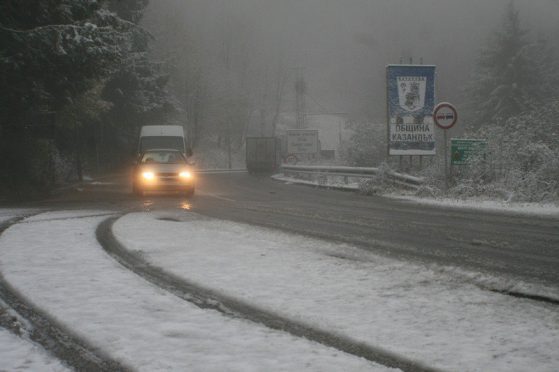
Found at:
(302, 141)
(410, 104)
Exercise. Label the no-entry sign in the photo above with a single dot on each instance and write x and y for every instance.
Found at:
(445, 115)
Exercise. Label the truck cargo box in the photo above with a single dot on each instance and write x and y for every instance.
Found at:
(262, 154)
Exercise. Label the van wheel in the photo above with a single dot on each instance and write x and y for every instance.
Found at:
(189, 192)
(137, 191)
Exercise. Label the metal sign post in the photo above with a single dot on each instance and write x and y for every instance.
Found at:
(446, 176)
(445, 116)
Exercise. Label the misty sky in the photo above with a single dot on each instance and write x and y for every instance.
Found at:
(344, 45)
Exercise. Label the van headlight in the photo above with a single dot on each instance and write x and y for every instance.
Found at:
(148, 176)
(185, 175)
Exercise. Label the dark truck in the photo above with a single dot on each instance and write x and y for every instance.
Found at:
(262, 154)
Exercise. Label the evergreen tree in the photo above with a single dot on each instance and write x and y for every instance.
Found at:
(137, 90)
(515, 102)
(51, 53)
(507, 82)
(130, 10)
(51, 50)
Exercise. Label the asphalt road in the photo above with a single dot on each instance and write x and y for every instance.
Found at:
(516, 246)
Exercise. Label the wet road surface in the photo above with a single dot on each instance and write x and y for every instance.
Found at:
(513, 245)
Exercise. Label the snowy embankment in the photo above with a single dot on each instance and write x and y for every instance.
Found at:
(54, 260)
(423, 314)
(551, 210)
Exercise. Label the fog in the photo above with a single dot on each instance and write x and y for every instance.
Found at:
(341, 48)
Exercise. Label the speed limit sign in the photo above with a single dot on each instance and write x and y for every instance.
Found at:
(445, 115)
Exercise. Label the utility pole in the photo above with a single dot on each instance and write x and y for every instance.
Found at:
(300, 92)
(229, 150)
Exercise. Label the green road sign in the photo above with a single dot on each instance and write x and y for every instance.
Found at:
(464, 149)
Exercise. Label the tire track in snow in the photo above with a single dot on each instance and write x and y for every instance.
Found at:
(60, 342)
(209, 299)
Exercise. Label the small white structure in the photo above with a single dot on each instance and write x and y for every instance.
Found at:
(331, 132)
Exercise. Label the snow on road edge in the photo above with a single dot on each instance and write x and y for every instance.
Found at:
(548, 210)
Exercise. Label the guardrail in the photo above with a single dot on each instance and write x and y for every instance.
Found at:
(322, 173)
(212, 171)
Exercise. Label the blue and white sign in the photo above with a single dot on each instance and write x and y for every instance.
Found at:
(411, 100)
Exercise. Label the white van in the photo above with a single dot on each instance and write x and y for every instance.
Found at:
(163, 137)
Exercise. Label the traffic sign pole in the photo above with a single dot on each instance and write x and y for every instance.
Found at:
(445, 116)
(445, 161)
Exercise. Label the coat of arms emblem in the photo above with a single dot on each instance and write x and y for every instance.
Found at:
(411, 92)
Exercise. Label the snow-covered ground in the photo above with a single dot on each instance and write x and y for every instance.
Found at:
(7, 214)
(54, 260)
(422, 313)
(551, 210)
(19, 354)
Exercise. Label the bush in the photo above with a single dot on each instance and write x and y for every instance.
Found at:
(367, 145)
(535, 174)
(379, 184)
(519, 166)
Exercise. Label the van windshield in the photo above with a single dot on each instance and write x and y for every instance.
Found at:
(163, 157)
(162, 142)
